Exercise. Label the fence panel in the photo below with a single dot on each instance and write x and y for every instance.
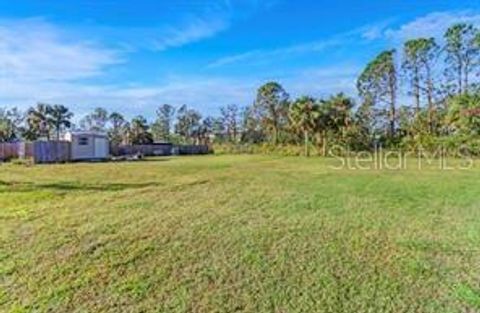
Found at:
(147, 150)
(25, 150)
(159, 150)
(8, 151)
(193, 149)
(51, 151)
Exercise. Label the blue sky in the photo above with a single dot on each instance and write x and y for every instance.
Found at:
(132, 56)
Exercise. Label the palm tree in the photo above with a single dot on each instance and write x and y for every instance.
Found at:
(37, 120)
(303, 116)
(59, 116)
(340, 113)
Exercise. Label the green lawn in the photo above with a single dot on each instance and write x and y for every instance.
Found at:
(238, 234)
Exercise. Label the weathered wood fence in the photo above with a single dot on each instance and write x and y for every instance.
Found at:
(147, 150)
(8, 151)
(25, 150)
(60, 151)
(51, 151)
(160, 150)
(194, 149)
(39, 151)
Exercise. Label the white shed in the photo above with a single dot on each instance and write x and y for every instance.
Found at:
(88, 145)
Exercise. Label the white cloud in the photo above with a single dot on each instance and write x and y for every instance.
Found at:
(431, 25)
(262, 55)
(203, 93)
(367, 32)
(33, 50)
(324, 81)
(374, 31)
(40, 62)
(194, 30)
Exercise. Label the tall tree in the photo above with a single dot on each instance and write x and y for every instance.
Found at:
(218, 128)
(117, 131)
(272, 107)
(364, 126)
(230, 121)
(377, 84)
(188, 122)
(162, 127)
(303, 116)
(139, 131)
(10, 124)
(418, 60)
(95, 121)
(462, 51)
(59, 117)
(252, 131)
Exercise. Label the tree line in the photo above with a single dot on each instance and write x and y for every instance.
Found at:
(423, 95)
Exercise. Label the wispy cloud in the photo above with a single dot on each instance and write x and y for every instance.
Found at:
(261, 55)
(368, 32)
(35, 50)
(431, 25)
(375, 31)
(217, 18)
(203, 93)
(40, 61)
(324, 81)
(194, 30)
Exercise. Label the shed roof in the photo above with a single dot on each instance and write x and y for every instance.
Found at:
(87, 133)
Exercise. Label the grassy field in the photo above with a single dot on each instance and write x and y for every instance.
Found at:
(238, 234)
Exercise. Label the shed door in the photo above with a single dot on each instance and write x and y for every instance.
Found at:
(100, 148)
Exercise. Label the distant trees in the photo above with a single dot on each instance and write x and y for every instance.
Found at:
(45, 119)
(463, 115)
(10, 125)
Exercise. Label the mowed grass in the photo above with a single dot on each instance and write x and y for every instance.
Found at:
(238, 234)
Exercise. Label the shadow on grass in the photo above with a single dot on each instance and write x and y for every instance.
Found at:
(145, 159)
(7, 187)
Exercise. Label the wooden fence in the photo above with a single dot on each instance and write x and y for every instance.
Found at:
(25, 150)
(51, 151)
(159, 150)
(147, 150)
(8, 151)
(193, 149)
(60, 151)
